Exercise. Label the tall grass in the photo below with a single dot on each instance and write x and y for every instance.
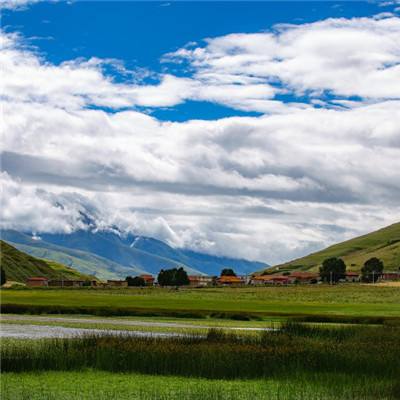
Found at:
(363, 351)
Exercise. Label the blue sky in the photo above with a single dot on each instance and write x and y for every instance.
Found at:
(140, 33)
(261, 130)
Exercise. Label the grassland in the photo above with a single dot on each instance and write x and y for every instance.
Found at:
(341, 301)
(122, 386)
(297, 362)
(384, 244)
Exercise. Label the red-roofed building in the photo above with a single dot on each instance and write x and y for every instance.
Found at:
(148, 279)
(37, 281)
(271, 280)
(226, 280)
(352, 276)
(304, 277)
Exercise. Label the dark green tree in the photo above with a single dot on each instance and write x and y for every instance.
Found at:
(332, 269)
(371, 270)
(3, 276)
(228, 272)
(173, 277)
(135, 281)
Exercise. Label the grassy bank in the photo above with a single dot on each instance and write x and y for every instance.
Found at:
(349, 302)
(122, 386)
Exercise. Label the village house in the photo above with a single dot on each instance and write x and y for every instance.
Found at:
(37, 281)
(148, 279)
(65, 283)
(390, 276)
(271, 280)
(117, 283)
(226, 280)
(304, 277)
(352, 276)
(200, 280)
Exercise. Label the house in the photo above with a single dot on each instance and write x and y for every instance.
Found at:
(37, 281)
(390, 276)
(230, 280)
(304, 277)
(271, 280)
(200, 280)
(148, 279)
(352, 276)
(117, 283)
(66, 283)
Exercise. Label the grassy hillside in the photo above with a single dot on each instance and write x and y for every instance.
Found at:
(18, 266)
(384, 244)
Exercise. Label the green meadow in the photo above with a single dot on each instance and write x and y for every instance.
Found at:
(296, 362)
(347, 301)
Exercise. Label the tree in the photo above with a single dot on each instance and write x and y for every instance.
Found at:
(173, 277)
(181, 277)
(136, 281)
(371, 270)
(332, 269)
(3, 276)
(228, 272)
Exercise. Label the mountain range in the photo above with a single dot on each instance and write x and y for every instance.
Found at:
(109, 254)
(383, 244)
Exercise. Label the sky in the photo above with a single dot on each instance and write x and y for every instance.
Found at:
(259, 130)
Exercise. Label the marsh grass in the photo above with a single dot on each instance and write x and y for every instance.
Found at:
(295, 348)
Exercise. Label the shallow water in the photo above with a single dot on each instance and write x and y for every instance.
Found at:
(19, 331)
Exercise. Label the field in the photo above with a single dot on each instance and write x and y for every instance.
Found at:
(123, 386)
(342, 301)
(306, 358)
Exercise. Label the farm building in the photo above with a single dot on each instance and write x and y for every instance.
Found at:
(149, 279)
(390, 276)
(304, 277)
(37, 281)
(200, 280)
(65, 283)
(271, 280)
(117, 283)
(352, 277)
(230, 280)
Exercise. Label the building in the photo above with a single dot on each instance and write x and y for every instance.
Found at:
(200, 280)
(37, 281)
(390, 276)
(352, 276)
(117, 283)
(66, 283)
(148, 279)
(230, 280)
(271, 280)
(304, 277)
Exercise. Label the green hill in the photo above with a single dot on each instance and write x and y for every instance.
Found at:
(18, 266)
(384, 244)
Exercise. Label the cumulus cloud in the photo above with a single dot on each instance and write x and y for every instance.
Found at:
(270, 187)
(341, 57)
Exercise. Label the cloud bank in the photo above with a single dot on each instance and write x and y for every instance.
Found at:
(319, 165)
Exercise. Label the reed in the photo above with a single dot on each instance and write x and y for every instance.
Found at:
(356, 350)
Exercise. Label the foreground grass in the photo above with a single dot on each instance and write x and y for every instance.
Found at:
(347, 301)
(97, 385)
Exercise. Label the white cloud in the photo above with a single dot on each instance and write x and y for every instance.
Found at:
(270, 187)
(345, 57)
